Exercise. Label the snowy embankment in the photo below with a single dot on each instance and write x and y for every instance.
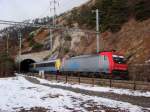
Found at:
(17, 93)
(100, 89)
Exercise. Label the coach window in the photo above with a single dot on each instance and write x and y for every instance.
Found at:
(51, 64)
(46, 64)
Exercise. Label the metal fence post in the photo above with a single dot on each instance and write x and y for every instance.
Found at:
(93, 82)
(56, 77)
(79, 78)
(45, 76)
(134, 85)
(110, 81)
(66, 78)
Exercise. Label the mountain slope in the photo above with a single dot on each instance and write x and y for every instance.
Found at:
(125, 27)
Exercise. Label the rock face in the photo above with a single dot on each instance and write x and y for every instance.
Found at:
(132, 41)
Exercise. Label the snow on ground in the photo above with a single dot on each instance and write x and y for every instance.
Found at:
(17, 93)
(99, 89)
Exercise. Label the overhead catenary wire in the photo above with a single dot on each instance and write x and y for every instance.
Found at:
(45, 26)
(42, 14)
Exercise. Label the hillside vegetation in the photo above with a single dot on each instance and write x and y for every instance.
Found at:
(113, 13)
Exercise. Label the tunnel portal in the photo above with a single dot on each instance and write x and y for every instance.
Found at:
(25, 64)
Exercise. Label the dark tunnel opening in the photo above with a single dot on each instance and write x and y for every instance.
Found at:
(25, 64)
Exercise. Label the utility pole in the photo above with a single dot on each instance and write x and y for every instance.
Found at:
(53, 8)
(97, 29)
(20, 45)
(50, 39)
(7, 44)
(55, 3)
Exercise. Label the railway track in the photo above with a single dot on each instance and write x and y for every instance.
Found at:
(126, 84)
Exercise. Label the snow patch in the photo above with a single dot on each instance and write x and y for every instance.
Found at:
(17, 92)
(99, 89)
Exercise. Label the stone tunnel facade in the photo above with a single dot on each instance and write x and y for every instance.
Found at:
(26, 59)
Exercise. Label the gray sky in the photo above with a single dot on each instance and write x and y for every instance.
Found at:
(19, 10)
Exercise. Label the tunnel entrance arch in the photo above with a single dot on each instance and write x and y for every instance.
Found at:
(25, 64)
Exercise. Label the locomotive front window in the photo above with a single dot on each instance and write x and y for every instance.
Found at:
(105, 58)
(119, 59)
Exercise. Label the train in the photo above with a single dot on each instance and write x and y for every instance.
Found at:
(106, 64)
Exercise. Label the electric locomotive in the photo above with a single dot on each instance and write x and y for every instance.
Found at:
(106, 63)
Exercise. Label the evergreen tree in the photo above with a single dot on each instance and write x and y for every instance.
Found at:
(142, 10)
(6, 65)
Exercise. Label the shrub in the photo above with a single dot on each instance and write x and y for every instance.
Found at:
(37, 46)
(114, 14)
(142, 10)
(6, 65)
(66, 50)
(31, 42)
(31, 35)
(30, 38)
(68, 38)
